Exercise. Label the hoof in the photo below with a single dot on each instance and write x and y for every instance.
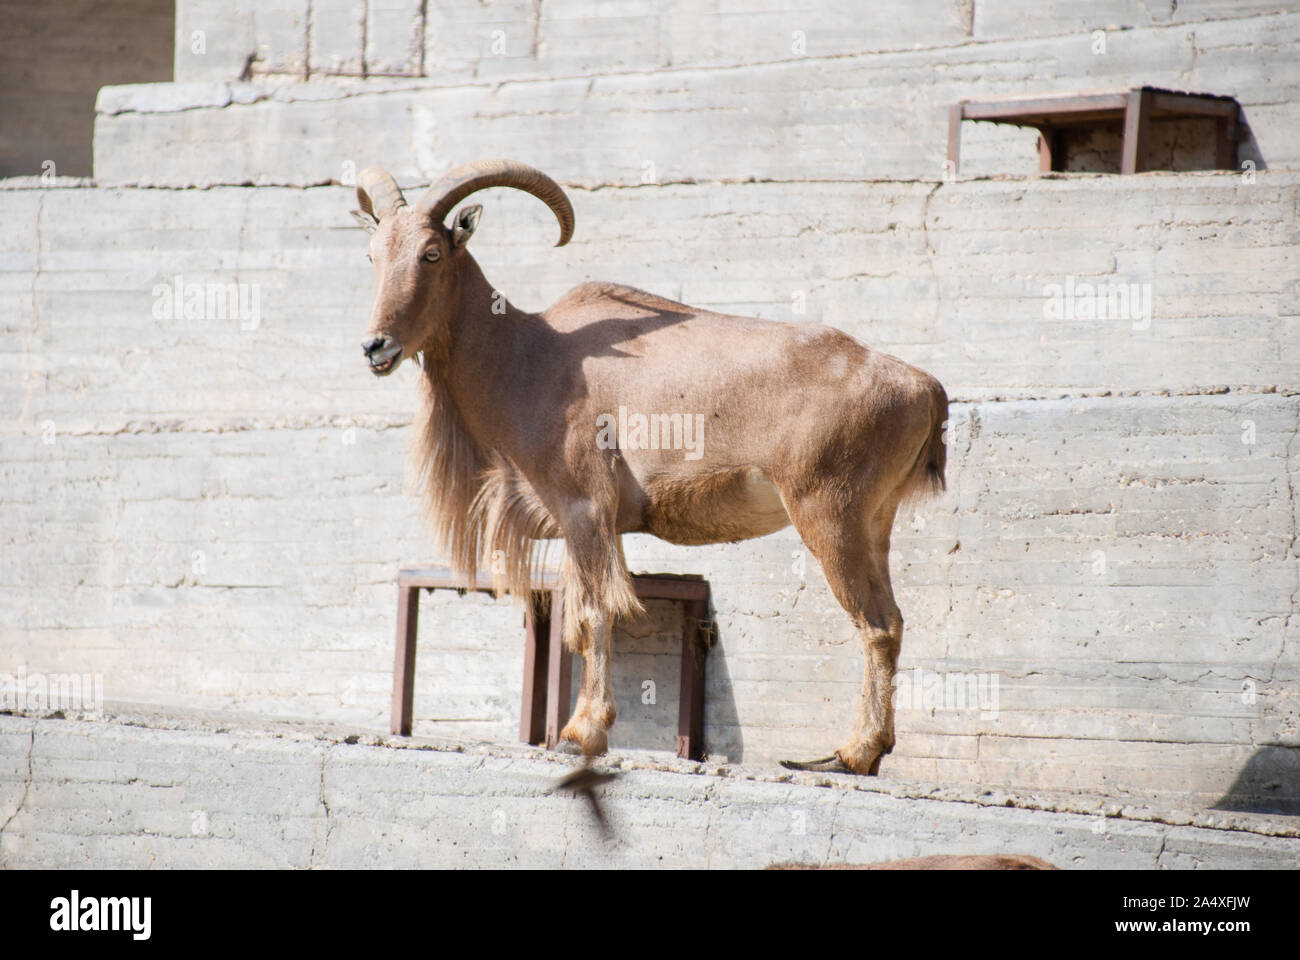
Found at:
(587, 739)
(831, 764)
(569, 748)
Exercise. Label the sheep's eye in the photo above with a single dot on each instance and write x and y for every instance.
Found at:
(432, 255)
(370, 258)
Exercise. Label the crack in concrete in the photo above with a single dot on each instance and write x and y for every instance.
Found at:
(306, 42)
(710, 795)
(383, 422)
(930, 256)
(314, 857)
(27, 788)
(365, 34)
(237, 425)
(423, 32)
(830, 837)
(1295, 534)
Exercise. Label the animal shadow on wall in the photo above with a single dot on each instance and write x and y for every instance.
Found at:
(1268, 783)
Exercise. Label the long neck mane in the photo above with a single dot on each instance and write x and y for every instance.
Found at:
(482, 510)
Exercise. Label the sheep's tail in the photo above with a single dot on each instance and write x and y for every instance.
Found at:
(928, 475)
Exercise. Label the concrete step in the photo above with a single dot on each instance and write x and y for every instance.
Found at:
(854, 117)
(179, 791)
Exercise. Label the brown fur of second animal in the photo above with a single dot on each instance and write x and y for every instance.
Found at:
(982, 861)
(804, 425)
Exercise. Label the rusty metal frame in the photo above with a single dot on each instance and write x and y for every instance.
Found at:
(548, 667)
(1132, 108)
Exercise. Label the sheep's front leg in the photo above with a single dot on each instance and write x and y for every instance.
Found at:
(596, 590)
(594, 714)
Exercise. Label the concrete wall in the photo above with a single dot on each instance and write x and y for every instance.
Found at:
(462, 40)
(210, 511)
(207, 508)
(54, 57)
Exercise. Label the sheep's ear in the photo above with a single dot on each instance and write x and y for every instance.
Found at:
(466, 221)
(366, 220)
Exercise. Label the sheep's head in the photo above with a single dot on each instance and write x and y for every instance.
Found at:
(418, 259)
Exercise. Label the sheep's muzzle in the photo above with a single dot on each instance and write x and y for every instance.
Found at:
(384, 354)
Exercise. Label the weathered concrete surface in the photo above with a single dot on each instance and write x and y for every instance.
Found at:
(1124, 570)
(838, 117)
(206, 507)
(950, 276)
(175, 792)
(209, 510)
(54, 57)
(459, 40)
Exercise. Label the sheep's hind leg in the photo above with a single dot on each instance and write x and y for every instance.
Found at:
(857, 570)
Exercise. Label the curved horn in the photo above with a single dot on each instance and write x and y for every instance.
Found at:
(455, 186)
(378, 193)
